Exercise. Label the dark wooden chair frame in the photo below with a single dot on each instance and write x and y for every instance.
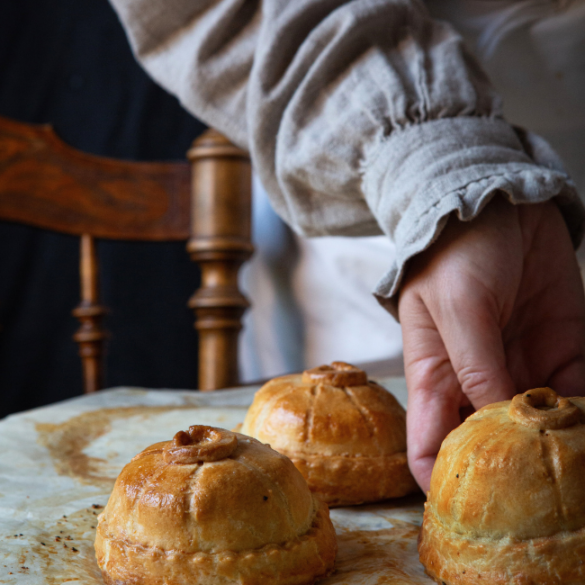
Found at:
(205, 202)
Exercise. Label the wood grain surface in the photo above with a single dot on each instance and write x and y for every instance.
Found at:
(47, 184)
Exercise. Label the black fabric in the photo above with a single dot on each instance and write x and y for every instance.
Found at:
(67, 62)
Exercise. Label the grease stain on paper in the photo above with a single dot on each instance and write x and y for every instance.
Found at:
(387, 556)
(92, 447)
(67, 441)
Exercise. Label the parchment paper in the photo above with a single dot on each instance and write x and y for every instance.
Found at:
(58, 465)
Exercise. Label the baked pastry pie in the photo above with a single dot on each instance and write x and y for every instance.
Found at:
(347, 436)
(507, 497)
(213, 507)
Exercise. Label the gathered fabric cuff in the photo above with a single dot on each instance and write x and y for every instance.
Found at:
(419, 175)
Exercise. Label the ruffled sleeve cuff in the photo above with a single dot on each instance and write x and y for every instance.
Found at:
(416, 177)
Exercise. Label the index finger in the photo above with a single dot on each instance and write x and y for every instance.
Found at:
(434, 394)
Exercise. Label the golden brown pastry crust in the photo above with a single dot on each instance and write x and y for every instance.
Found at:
(507, 498)
(346, 435)
(242, 518)
(456, 559)
(296, 562)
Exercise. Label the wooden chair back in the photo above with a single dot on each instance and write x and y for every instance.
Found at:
(205, 202)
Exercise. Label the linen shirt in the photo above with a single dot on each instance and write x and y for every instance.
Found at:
(362, 117)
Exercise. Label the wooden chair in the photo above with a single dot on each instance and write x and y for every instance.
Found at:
(205, 202)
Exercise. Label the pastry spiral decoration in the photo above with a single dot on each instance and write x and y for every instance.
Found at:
(200, 444)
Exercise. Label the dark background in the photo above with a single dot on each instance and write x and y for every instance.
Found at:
(67, 62)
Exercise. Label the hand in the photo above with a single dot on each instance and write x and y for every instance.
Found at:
(493, 308)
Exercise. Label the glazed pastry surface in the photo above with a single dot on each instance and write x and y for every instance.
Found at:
(346, 435)
(507, 497)
(212, 507)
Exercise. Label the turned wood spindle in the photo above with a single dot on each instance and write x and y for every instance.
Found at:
(90, 336)
(220, 242)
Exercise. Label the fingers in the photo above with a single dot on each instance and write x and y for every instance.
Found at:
(431, 415)
(434, 395)
(454, 356)
(569, 379)
(471, 333)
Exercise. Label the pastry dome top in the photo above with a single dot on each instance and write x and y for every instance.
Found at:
(330, 410)
(515, 468)
(206, 490)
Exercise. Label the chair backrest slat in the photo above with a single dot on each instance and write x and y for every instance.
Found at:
(50, 185)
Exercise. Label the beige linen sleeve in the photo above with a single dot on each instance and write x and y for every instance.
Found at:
(362, 116)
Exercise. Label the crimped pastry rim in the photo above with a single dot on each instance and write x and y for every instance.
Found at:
(344, 486)
(437, 545)
(317, 546)
(318, 520)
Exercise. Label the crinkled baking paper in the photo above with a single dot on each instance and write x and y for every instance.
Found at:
(58, 465)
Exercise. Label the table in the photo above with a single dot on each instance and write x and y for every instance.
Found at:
(58, 465)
